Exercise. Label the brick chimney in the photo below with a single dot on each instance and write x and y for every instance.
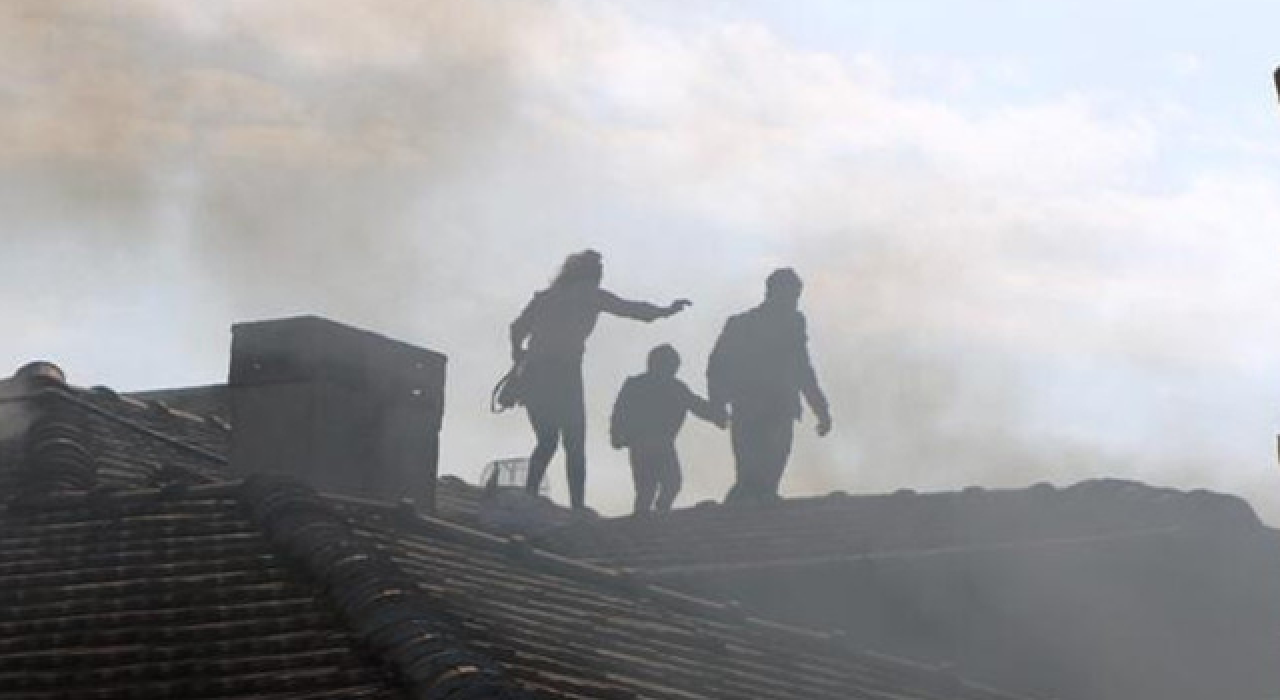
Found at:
(349, 411)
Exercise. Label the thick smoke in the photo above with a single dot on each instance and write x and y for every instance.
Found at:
(978, 294)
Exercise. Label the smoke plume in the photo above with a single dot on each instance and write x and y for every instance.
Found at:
(990, 294)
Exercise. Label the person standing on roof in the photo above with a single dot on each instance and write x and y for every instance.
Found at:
(647, 417)
(759, 368)
(555, 324)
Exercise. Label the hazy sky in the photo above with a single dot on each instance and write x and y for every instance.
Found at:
(1041, 240)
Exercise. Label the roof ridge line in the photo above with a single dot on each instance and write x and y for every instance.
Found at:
(377, 600)
(903, 554)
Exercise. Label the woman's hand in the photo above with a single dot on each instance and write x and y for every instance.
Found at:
(677, 306)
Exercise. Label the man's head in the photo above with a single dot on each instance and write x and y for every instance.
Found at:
(783, 286)
(664, 361)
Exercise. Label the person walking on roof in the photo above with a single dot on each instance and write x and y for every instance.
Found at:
(548, 341)
(647, 417)
(759, 368)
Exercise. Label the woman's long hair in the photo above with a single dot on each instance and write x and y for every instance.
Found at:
(584, 267)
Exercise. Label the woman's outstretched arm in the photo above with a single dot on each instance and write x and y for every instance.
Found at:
(639, 310)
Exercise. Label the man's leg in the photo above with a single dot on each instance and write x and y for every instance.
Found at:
(644, 475)
(669, 477)
(749, 446)
(775, 450)
(739, 439)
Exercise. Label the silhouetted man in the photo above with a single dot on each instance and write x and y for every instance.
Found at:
(759, 368)
(647, 417)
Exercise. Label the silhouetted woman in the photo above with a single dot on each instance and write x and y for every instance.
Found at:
(556, 324)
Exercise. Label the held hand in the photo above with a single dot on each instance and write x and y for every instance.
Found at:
(721, 417)
(824, 426)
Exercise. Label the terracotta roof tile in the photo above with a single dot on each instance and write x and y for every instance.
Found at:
(163, 597)
(89, 439)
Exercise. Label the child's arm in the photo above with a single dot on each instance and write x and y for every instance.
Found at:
(704, 409)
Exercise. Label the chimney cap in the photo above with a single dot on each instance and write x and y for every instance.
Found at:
(304, 348)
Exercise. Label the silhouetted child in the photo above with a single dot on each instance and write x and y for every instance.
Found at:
(647, 416)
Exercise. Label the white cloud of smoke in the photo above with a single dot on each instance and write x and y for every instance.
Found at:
(1000, 295)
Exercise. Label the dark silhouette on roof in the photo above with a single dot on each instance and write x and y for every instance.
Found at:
(760, 368)
(548, 340)
(647, 417)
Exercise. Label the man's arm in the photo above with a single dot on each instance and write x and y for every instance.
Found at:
(809, 384)
(718, 370)
(639, 310)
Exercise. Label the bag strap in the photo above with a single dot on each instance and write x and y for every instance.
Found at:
(495, 404)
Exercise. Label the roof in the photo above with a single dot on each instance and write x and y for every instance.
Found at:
(100, 439)
(146, 594)
(208, 400)
(135, 566)
(1104, 590)
(843, 527)
(549, 617)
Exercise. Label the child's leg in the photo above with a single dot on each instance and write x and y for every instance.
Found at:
(644, 475)
(669, 477)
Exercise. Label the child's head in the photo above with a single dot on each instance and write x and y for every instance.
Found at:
(664, 361)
